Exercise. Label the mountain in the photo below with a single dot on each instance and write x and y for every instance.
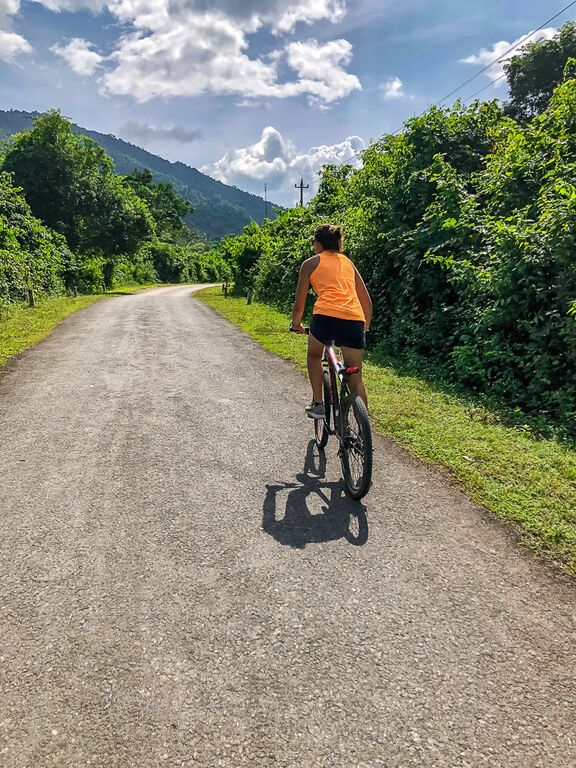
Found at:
(219, 209)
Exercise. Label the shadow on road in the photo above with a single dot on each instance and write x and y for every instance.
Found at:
(341, 516)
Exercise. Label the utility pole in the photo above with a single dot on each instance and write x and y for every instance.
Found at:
(265, 201)
(301, 187)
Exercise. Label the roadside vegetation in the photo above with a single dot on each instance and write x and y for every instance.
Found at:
(522, 478)
(70, 224)
(464, 228)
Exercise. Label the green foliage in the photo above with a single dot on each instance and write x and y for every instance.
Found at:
(534, 74)
(166, 207)
(30, 255)
(70, 185)
(172, 263)
(464, 228)
(122, 230)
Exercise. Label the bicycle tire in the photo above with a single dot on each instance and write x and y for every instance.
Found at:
(322, 426)
(357, 490)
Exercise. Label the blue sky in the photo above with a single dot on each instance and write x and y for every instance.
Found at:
(252, 91)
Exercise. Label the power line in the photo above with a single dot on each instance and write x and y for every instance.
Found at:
(512, 48)
(474, 77)
(485, 87)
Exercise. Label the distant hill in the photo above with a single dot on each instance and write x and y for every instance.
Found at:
(219, 209)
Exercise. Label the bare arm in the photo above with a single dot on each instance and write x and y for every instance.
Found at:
(302, 291)
(364, 298)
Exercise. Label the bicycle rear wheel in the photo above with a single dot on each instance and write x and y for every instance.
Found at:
(356, 450)
(322, 426)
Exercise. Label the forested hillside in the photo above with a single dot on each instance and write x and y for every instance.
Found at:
(219, 209)
(69, 222)
(464, 227)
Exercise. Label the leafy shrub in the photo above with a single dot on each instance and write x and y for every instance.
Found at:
(31, 256)
(464, 228)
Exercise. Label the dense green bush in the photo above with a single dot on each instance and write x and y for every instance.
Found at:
(70, 184)
(186, 263)
(31, 256)
(72, 223)
(464, 227)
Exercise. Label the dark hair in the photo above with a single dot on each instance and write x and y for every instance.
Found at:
(329, 236)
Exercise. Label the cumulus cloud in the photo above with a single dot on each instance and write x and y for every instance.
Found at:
(204, 54)
(320, 69)
(275, 160)
(281, 15)
(8, 8)
(143, 132)
(208, 53)
(11, 44)
(175, 48)
(79, 54)
(498, 50)
(393, 89)
(74, 5)
(309, 11)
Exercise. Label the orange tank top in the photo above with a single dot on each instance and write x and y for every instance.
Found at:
(334, 280)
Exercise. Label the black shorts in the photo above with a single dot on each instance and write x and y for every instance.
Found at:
(334, 330)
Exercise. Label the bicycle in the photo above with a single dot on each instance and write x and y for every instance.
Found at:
(346, 417)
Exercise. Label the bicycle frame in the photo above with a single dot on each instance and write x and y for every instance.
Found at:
(339, 396)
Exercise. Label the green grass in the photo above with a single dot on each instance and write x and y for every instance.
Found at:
(527, 481)
(21, 327)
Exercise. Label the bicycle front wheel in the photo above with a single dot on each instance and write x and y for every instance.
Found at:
(356, 451)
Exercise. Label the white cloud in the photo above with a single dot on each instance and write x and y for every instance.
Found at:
(73, 5)
(208, 53)
(393, 89)
(179, 48)
(143, 132)
(199, 54)
(281, 15)
(9, 8)
(173, 48)
(79, 54)
(275, 160)
(310, 11)
(11, 44)
(320, 69)
(498, 50)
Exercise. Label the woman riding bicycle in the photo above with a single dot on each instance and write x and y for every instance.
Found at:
(341, 315)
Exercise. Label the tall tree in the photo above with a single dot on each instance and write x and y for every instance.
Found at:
(69, 183)
(534, 74)
(167, 208)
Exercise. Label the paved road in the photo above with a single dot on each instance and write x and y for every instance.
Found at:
(183, 584)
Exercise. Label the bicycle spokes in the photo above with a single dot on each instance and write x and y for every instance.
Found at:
(353, 445)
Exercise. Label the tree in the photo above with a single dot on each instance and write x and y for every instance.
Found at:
(31, 256)
(69, 183)
(331, 199)
(534, 74)
(167, 208)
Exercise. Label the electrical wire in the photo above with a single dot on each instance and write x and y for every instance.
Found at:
(489, 66)
(504, 55)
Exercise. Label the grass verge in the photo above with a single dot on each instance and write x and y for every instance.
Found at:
(527, 481)
(21, 327)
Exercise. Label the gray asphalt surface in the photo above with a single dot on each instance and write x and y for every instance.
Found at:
(182, 583)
